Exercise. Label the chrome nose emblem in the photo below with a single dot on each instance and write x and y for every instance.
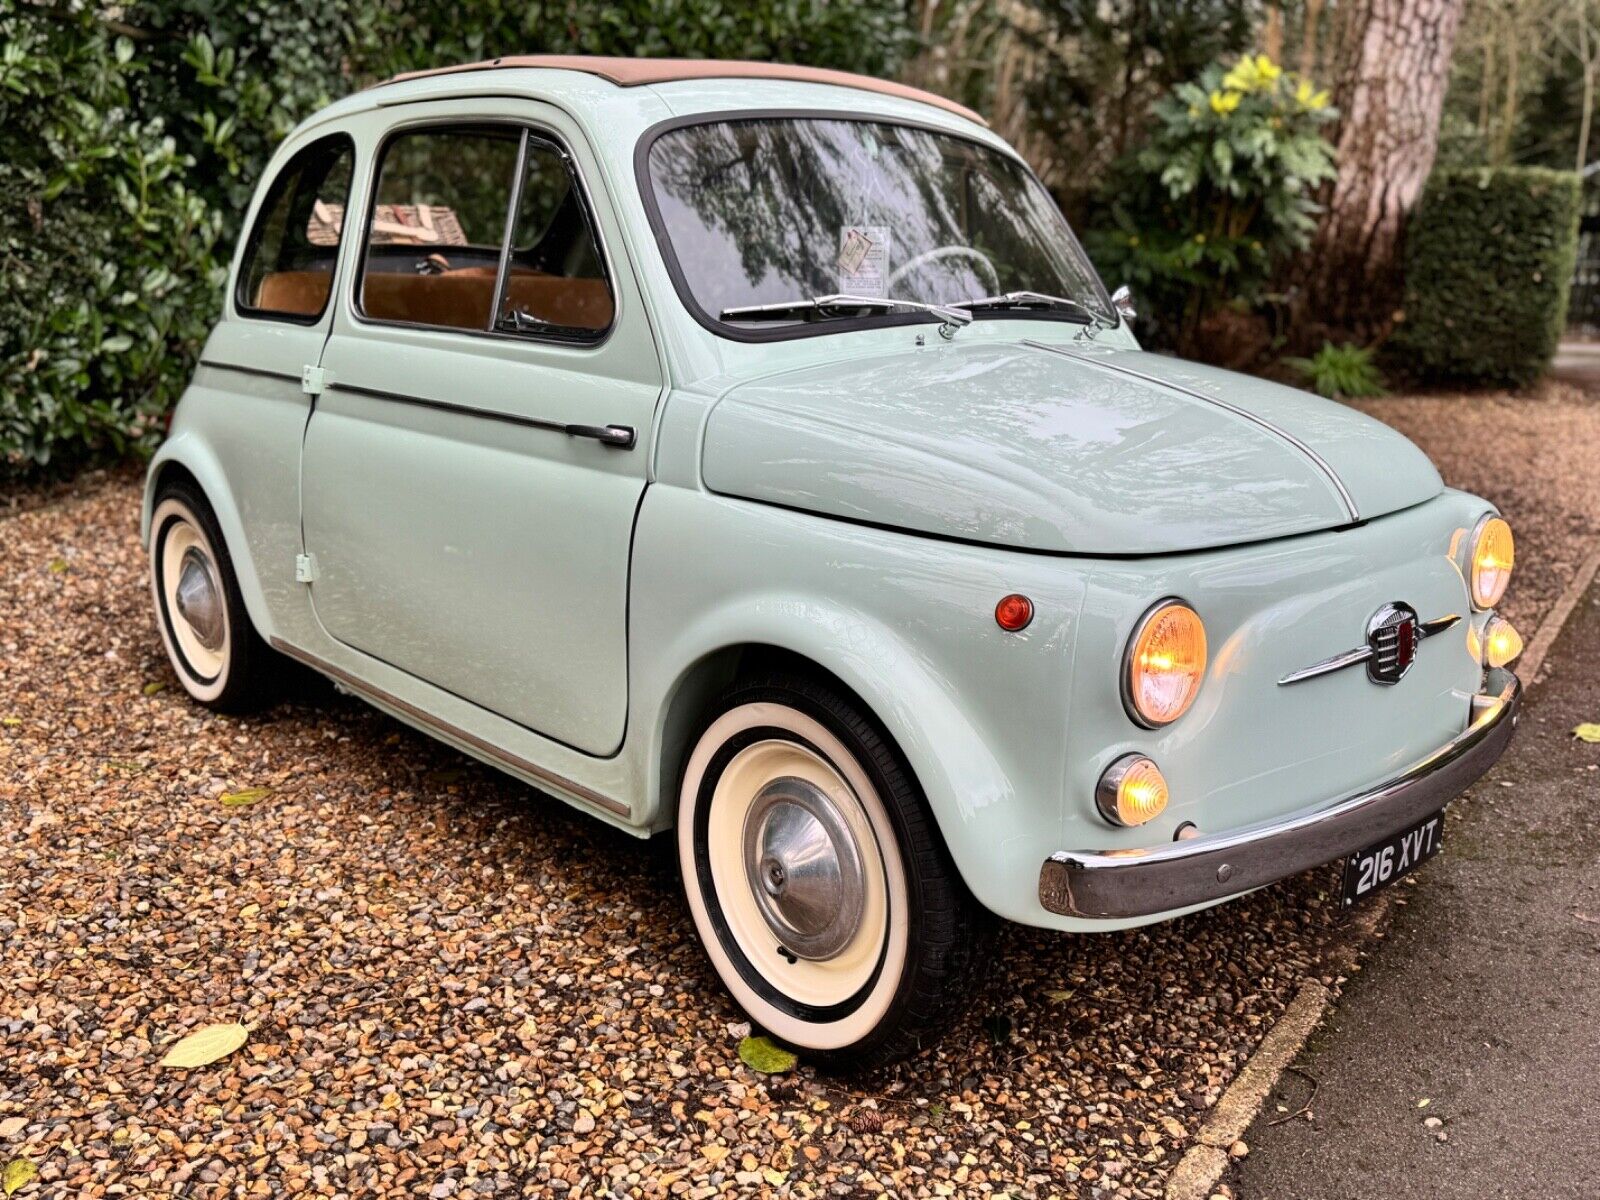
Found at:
(1391, 647)
(1392, 635)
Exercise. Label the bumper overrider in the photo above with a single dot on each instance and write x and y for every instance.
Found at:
(1182, 874)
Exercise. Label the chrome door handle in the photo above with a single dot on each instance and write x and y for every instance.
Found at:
(620, 436)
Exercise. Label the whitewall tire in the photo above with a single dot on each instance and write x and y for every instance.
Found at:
(816, 878)
(213, 648)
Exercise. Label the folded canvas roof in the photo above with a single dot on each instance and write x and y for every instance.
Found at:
(636, 72)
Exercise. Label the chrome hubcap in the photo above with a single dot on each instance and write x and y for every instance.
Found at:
(804, 868)
(199, 599)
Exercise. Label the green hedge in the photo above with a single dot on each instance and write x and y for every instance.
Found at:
(1489, 261)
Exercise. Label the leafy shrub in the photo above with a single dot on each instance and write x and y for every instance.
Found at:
(1220, 194)
(1341, 372)
(1489, 260)
(108, 272)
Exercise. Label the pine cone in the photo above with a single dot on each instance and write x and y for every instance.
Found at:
(867, 1120)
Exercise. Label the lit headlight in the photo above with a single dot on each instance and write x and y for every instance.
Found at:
(1165, 665)
(1493, 556)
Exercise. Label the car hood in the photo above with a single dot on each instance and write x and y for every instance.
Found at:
(1066, 449)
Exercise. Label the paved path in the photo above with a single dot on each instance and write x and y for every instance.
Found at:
(1484, 1000)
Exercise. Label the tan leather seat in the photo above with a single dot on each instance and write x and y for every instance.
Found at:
(302, 293)
(454, 299)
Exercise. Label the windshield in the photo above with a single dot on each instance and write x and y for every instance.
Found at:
(770, 210)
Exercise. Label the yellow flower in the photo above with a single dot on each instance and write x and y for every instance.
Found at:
(1201, 238)
(1133, 239)
(1307, 96)
(1223, 103)
(1252, 74)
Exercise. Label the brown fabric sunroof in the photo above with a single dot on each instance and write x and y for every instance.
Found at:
(634, 72)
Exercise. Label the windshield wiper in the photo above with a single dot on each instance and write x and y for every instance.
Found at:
(836, 304)
(1031, 300)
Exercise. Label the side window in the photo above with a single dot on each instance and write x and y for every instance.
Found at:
(287, 270)
(555, 281)
(437, 251)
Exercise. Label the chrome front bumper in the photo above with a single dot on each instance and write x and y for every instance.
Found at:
(1178, 875)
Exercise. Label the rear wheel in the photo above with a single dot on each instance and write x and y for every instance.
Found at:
(818, 882)
(213, 647)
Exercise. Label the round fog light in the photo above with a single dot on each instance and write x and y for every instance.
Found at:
(1132, 791)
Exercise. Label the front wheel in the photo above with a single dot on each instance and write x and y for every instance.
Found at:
(817, 879)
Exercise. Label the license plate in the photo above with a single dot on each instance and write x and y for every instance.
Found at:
(1379, 865)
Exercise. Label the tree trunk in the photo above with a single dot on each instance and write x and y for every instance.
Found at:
(1393, 67)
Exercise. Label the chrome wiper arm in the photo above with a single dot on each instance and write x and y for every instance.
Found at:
(1023, 299)
(951, 316)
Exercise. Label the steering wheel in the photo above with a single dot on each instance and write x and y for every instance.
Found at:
(938, 253)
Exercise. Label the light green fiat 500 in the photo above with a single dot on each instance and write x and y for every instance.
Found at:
(751, 452)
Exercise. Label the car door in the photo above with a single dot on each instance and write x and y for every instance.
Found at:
(252, 418)
(474, 462)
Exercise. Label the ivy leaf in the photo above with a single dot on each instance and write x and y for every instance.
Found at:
(761, 1054)
(206, 1046)
(1587, 732)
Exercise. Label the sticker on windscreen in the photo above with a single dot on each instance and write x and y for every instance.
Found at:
(863, 258)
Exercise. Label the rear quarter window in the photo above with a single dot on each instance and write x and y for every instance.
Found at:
(293, 247)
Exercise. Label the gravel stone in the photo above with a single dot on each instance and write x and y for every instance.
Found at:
(458, 986)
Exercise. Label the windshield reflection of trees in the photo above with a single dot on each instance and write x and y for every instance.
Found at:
(756, 209)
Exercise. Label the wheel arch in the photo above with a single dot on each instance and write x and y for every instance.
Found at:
(945, 752)
(185, 459)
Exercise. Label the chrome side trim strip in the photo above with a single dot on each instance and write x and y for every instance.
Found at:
(1142, 882)
(620, 436)
(1425, 629)
(1253, 418)
(479, 746)
(263, 372)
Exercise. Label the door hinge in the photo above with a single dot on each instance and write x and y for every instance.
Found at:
(305, 568)
(312, 380)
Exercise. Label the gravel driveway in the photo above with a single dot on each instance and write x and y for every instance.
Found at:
(457, 986)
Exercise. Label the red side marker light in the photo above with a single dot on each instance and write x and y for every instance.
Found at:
(1013, 613)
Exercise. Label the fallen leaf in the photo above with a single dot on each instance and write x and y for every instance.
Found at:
(206, 1046)
(715, 1154)
(1587, 732)
(1059, 994)
(57, 566)
(150, 689)
(1424, 1102)
(247, 796)
(760, 1054)
(775, 1178)
(11, 1126)
(18, 1174)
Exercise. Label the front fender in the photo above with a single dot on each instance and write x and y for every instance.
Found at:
(907, 624)
(191, 453)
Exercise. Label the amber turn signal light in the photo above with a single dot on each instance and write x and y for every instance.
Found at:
(1132, 791)
(1501, 642)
